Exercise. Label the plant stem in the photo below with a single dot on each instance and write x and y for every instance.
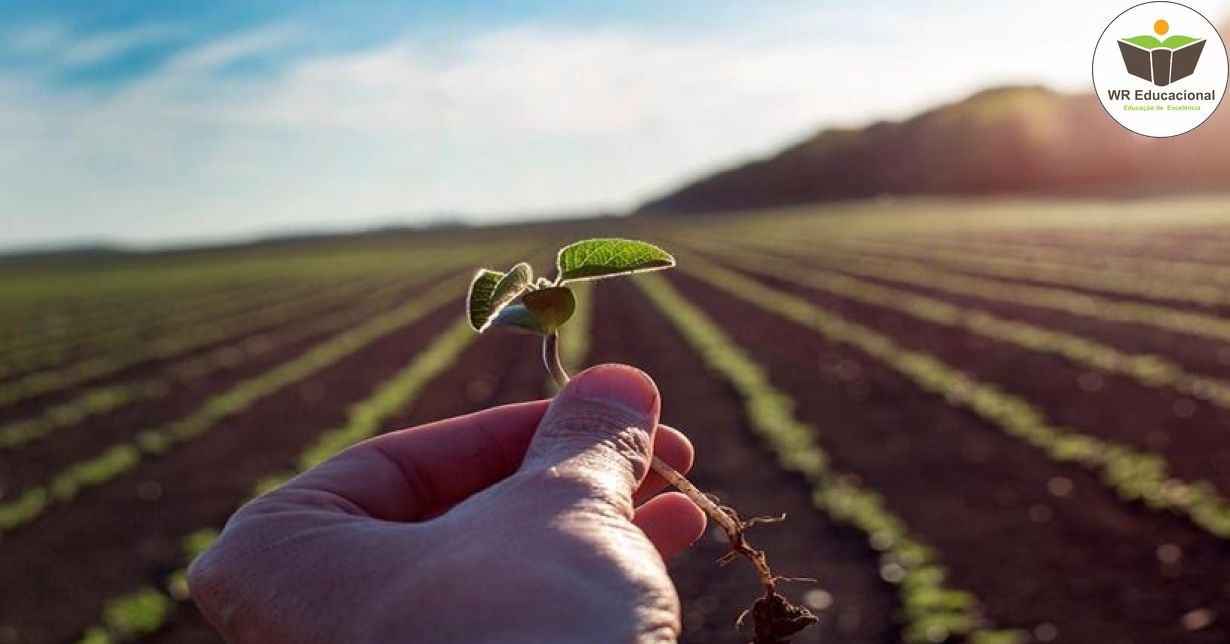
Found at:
(721, 515)
(550, 357)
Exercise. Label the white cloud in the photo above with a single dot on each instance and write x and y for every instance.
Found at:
(232, 48)
(35, 38)
(520, 120)
(101, 47)
(53, 43)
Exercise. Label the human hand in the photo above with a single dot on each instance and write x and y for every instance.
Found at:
(533, 522)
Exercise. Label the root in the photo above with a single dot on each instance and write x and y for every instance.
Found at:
(774, 618)
(755, 521)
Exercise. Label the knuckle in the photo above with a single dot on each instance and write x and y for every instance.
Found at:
(221, 586)
(215, 576)
(205, 579)
(659, 617)
(618, 433)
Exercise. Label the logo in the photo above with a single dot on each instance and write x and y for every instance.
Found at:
(1161, 62)
(1177, 49)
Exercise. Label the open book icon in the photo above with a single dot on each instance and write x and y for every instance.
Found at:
(1161, 62)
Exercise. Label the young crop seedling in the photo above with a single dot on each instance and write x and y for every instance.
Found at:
(542, 306)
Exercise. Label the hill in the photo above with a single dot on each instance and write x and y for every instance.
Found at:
(1004, 141)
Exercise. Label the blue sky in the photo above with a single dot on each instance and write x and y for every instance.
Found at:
(165, 122)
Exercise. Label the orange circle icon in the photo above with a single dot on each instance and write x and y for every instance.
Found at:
(1161, 27)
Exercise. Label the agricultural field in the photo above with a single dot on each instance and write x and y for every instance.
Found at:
(996, 422)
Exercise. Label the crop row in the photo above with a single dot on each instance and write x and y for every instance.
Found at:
(187, 339)
(1197, 246)
(70, 319)
(1145, 369)
(1135, 475)
(1080, 258)
(36, 352)
(113, 396)
(1136, 285)
(82, 324)
(934, 612)
(133, 351)
(98, 345)
(1199, 228)
(147, 608)
(122, 457)
(1058, 299)
(193, 307)
(131, 282)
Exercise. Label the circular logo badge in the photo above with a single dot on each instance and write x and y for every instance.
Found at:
(1160, 69)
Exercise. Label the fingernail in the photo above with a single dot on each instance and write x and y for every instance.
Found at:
(618, 384)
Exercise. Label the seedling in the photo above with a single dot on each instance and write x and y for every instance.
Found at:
(542, 306)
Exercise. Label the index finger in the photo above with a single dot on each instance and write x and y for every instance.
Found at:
(417, 472)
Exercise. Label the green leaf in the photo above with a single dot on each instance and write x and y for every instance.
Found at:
(515, 282)
(552, 307)
(541, 311)
(517, 316)
(478, 301)
(595, 258)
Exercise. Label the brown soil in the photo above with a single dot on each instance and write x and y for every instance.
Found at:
(1040, 543)
(1173, 244)
(35, 462)
(731, 463)
(35, 404)
(62, 322)
(1024, 277)
(1189, 433)
(1196, 354)
(1084, 563)
(114, 538)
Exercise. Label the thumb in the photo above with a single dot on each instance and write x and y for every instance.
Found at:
(599, 431)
